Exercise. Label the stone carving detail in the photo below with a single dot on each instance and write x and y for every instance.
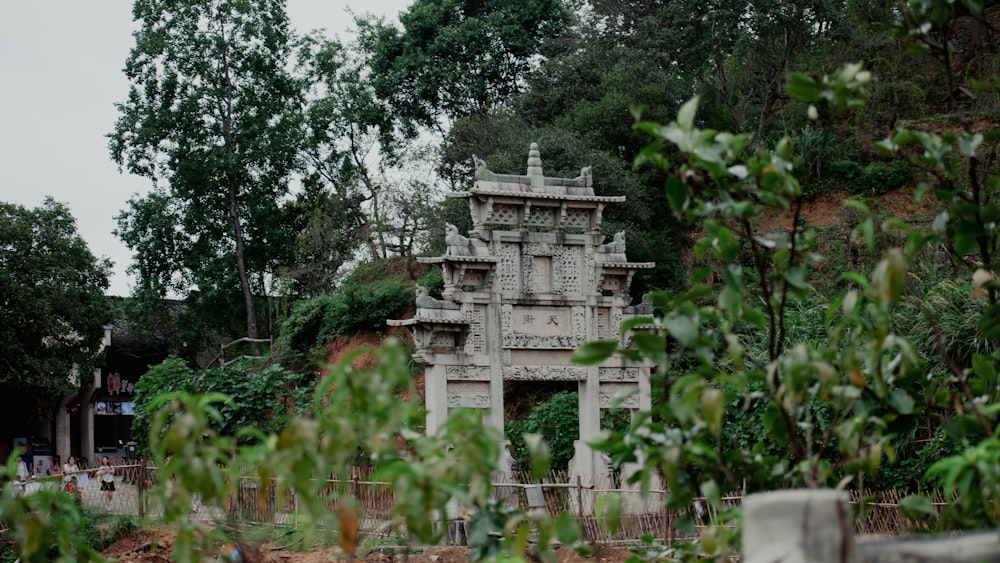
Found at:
(545, 373)
(468, 401)
(619, 374)
(527, 270)
(541, 342)
(504, 215)
(577, 219)
(603, 323)
(619, 395)
(615, 322)
(475, 343)
(542, 249)
(630, 402)
(541, 274)
(467, 373)
(425, 301)
(544, 217)
(444, 339)
(509, 267)
(579, 320)
(566, 271)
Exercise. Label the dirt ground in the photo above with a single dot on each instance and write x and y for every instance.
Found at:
(156, 546)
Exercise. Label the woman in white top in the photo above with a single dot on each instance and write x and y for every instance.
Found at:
(106, 475)
(70, 469)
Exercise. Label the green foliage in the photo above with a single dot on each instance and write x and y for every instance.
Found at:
(373, 292)
(45, 525)
(102, 529)
(874, 178)
(454, 59)
(351, 410)
(365, 307)
(54, 309)
(557, 421)
(212, 119)
(260, 395)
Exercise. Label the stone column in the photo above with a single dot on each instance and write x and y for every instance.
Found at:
(799, 525)
(63, 438)
(435, 397)
(87, 418)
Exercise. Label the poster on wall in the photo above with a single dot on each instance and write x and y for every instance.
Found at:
(45, 465)
(107, 407)
(117, 385)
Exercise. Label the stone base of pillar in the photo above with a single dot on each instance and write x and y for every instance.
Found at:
(789, 526)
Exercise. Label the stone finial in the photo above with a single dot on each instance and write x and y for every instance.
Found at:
(535, 163)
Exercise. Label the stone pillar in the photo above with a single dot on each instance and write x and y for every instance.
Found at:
(435, 397)
(62, 424)
(87, 418)
(799, 525)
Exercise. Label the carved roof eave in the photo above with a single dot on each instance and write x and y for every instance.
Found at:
(539, 196)
(627, 265)
(454, 258)
(422, 320)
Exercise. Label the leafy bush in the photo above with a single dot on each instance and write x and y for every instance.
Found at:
(372, 293)
(262, 396)
(557, 421)
(873, 178)
(101, 529)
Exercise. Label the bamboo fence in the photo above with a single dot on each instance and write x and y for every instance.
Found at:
(877, 512)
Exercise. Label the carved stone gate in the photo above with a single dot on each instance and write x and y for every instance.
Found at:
(533, 280)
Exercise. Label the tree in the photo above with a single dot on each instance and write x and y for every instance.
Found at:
(53, 304)
(212, 118)
(457, 57)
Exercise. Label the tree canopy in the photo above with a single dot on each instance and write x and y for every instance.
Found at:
(212, 117)
(53, 304)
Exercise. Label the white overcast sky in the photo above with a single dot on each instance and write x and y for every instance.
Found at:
(60, 75)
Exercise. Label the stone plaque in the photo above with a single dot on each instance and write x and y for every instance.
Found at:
(542, 321)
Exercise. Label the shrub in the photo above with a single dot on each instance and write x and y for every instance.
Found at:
(262, 396)
(558, 421)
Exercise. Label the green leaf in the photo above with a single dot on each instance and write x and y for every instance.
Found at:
(538, 451)
(968, 143)
(918, 507)
(649, 344)
(803, 87)
(774, 425)
(901, 401)
(683, 328)
(756, 318)
(858, 205)
(989, 323)
(608, 510)
(732, 276)
(592, 353)
(685, 115)
(567, 530)
(796, 277)
(677, 194)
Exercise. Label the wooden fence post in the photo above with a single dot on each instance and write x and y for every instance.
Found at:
(141, 487)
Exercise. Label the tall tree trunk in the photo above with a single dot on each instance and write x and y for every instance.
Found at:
(233, 185)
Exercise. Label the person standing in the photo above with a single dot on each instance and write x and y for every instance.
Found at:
(70, 469)
(106, 475)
